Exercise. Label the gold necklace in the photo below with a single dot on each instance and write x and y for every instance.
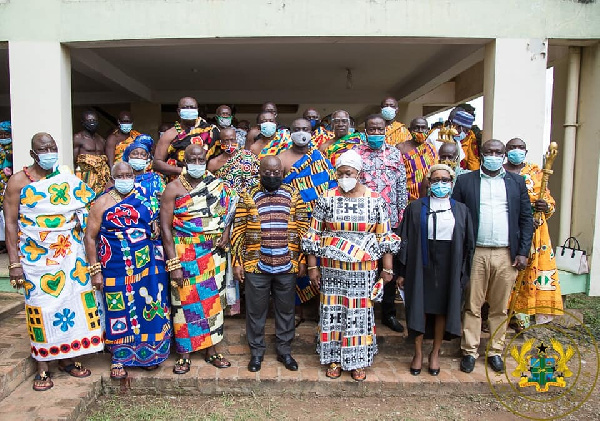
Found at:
(186, 184)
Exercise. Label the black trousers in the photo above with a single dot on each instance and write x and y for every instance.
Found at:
(388, 305)
(259, 287)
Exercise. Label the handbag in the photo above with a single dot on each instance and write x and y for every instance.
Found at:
(571, 259)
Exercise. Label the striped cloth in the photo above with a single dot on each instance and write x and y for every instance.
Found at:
(267, 230)
(321, 135)
(417, 162)
(396, 133)
(280, 143)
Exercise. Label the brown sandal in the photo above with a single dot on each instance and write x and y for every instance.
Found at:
(182, 366)
(359, 374)
(77, 368)
(117, 368)
(222, 362)
(334, 371)
(43, 378)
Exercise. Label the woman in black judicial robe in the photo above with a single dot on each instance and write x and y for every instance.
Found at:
(434, 264)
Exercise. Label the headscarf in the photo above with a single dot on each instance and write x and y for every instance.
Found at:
(350, 158)
(143, 141)
(5, 126)
(463, 118)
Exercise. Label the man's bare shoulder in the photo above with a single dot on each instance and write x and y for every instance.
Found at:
(173, 188)
(102, 203)
(18, 181)
(169, 135)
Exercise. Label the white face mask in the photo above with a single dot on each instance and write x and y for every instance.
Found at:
(347, 183)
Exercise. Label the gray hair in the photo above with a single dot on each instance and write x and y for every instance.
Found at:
(444, 167)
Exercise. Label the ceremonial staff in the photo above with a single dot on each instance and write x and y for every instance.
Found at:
(549, 158)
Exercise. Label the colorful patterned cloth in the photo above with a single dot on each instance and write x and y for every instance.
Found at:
(321, 135)
(471, 152)
(200, 217)
(152, 182)
(121, 146)
(349, 235)
(6, 166)
(396, 133)
(280, 143)
(311, 175)
(240, 171)
(201, 134)
(62, 311)
(416, 163)
(383, 171)
(541, 287)
(248, 238)
(94, 171)
(136, 317)
(340, 146)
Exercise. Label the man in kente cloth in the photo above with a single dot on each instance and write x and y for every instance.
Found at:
(418, 156)
(320, 134)
(91, 164)
(46, 210)
(270, 140)
(189, 130)
(311, 174)
(342, 139)
(118, 140)
(197, 209)
(127, 263)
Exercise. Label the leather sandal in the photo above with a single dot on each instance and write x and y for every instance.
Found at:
(119, 367)
(69, 369)
(334, 371)
(359, 374)
(182, 366)
(222, 362)
(42, 377)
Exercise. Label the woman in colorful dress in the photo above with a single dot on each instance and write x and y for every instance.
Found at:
(127, 263)
(138, 155)
(350, 231)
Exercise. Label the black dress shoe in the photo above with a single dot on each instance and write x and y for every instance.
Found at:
(393, 324)
(496, 363)
(434, 371)
(255, 363)
(415, 371)
(467, 363)
(289, 362)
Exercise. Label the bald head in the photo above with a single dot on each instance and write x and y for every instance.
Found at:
(227, 132)
(125, 117)
(224, 111)
(121, 169)
(270, 163)
(194, 151)
(448, 152)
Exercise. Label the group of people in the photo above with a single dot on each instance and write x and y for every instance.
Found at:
(150, 243)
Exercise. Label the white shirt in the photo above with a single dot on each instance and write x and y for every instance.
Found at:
(493, 212)
(445, 220)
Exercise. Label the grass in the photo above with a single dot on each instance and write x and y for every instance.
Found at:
(590, 307)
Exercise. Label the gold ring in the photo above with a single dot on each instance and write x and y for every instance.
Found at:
(20, 282)
(13, 283)
(174, 284)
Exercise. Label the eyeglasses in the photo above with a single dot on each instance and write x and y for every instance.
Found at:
(442, 179)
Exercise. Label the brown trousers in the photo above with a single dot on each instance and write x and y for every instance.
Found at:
(492, 278)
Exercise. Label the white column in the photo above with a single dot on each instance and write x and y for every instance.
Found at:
(40, 97)
(514, 90)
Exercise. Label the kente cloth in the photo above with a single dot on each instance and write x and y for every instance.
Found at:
(62, 310)
(311, 176)
(121, 146)
(199, 219)
(6, 156)
(202, 134)
(340, 146)
(266, 219)
(240, 171)
(94, 171)
(136, 317)
(350, 235)
(320, 135)
(280, 143)
(541, 286)
(396, 133)
(471, 152)
(417, 162)
(152, 182)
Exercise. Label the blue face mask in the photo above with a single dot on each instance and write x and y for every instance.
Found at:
(47, 160)
(375, 141)
(124, 186)
(188, 113)
(441, 189)
(388, 113)
(196, 170)
(460, 137)
(351, 130)
(138, 164)
(493, 163)
(516, 156)
(268, 128)
(126, 127)
(5, 141)
(313, 124)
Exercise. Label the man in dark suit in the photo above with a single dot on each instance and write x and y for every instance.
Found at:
(503, 222)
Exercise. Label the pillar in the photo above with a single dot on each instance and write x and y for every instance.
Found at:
(514, 89)
(40, 97)
(146, 118)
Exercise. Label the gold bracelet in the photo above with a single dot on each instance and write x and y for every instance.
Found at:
(312, 267)
(14, 265)
(173, 261)
(172, 268)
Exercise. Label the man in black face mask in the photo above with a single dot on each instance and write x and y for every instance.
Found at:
(270, 220)
(91, 164)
